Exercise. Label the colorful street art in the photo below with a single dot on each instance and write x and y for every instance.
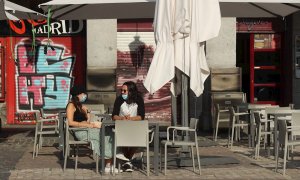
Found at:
(43, 77)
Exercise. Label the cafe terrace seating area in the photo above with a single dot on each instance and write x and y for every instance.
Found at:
(266, 135)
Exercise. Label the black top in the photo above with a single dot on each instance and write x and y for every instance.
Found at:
(78, 115)
(119, 101)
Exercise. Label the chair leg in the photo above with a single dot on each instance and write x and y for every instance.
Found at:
(36, 150)
(97, 163)
(161, 155)
(229, 137)
(198, 158)
(193, 160)
(34, 144)
(284, 158)
(217, 127)
(40, 141)
(232, 134)
(276, 157)
(114, 163)
(76, 159)
(148, 161)
(166, 159)
(66, 156)
(258, 143)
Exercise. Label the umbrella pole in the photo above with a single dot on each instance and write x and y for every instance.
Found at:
(184, 109)
(174, 110)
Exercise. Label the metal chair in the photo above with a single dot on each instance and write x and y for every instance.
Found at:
(132, 134)
(43, 126)
(260, 131)
(193, 142)
(235, 123)
(219, 118)
(284, 139)
(70, 139)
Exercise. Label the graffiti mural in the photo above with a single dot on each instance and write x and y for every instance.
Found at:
(43, 77)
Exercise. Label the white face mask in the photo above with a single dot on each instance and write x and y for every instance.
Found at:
(83, 98)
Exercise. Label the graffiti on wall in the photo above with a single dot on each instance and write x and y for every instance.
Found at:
(43, 77)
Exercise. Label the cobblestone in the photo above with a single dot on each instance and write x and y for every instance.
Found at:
(16, 162)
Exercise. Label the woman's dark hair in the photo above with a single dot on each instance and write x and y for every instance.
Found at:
(76, 90)
(133, 92)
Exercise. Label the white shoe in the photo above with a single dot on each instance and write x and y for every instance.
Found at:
(110, 170)
(122, 157)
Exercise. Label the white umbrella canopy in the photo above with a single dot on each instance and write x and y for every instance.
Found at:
(100, 9)
(258, 8)
(124, 9)
(12, 11)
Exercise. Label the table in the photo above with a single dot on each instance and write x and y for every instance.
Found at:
(110, 123)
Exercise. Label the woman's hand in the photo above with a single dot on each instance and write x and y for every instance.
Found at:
(96, 124)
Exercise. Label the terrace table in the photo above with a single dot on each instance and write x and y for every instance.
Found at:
(109, 123)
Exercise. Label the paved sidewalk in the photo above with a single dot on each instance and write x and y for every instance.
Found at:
(16, 162)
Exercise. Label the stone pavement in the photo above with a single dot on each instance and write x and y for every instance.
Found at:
(16, 162)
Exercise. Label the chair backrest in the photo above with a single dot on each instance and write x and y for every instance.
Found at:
(37, 115)
(296, 119)
(296, 122)
(257, 118)
(61, 119)
(66, 130)
(42, 112)
(282, 131)
(131, 133)
(231, 112)
(193, 125)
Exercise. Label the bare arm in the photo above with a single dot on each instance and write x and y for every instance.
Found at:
(134, 118)
(70, 115)
(116, 117)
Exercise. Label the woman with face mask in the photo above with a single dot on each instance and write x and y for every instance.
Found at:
(79, 116)
(128, 106)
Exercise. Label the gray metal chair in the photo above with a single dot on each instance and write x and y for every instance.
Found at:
(44, 126)
(71, 140)
(286, 138)
(220, 117)
(193, 142)
(235, 123)
(132, 134)
(260, 131)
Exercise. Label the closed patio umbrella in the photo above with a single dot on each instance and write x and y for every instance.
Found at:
(180, 41)
(179, 33)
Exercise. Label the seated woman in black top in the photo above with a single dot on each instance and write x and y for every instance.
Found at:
(78, 116)
(128, 106)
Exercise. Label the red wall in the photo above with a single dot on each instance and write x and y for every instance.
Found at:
(22, 96)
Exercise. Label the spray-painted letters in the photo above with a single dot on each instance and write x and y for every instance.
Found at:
(42, 80)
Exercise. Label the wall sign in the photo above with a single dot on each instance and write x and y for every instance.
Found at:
(57, 28)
